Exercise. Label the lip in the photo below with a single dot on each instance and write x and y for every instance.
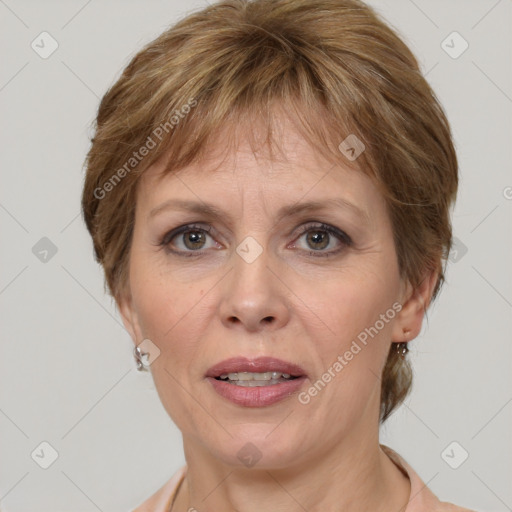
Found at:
(258, 365)
(260, 396)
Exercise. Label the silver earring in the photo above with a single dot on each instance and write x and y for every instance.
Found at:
(141, 359)
(402, 349)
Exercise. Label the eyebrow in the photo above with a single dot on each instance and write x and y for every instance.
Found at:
(210, 210)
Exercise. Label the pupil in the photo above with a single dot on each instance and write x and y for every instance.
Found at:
(317, 238)
(194, 238)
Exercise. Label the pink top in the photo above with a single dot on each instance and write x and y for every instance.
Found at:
(421, 498)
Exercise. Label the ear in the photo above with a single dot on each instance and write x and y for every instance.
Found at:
(129, 316)
(415, 302)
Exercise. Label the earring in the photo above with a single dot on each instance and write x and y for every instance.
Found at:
(141, 359)
(401, 347)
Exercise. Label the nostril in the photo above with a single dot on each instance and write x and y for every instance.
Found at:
(268, 319)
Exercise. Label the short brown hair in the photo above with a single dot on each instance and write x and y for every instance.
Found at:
(339, 70)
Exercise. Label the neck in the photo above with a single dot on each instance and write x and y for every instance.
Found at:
(349, 477)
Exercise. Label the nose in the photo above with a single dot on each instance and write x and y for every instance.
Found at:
(253, 297)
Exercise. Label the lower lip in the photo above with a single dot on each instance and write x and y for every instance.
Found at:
(259, 396)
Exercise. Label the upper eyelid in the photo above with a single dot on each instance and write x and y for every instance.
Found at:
(201, 227)
(332, 230)
(193, 226)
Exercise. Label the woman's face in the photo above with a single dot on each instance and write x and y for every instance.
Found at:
(255, 282)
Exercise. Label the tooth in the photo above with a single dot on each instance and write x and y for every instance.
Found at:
(247, 377)
(251, 383)
(256, 383)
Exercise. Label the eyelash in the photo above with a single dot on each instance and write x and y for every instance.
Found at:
(340, 235)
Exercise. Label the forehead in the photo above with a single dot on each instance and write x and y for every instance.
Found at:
(232, 179)
(259, 155)
(262, 166)
(299, 181)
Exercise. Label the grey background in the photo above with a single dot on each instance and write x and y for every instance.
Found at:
(66, 369)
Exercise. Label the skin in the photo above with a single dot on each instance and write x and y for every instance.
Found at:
(289, 304)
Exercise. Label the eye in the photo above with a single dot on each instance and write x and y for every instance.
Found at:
(188, 239)
(192, 239)
(321, 236)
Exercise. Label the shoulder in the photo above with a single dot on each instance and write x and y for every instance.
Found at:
(422, 499)
(160, 501)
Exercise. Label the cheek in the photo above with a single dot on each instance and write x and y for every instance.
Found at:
(168, 309)
(158, 294)
(349, 305)
(169, 315)
(352, 343)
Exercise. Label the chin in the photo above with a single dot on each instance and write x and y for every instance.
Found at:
(261, 447)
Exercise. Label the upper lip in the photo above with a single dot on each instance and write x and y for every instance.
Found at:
(258, 365)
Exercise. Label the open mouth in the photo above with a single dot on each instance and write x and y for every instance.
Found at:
(252, 380)
(258, 382)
